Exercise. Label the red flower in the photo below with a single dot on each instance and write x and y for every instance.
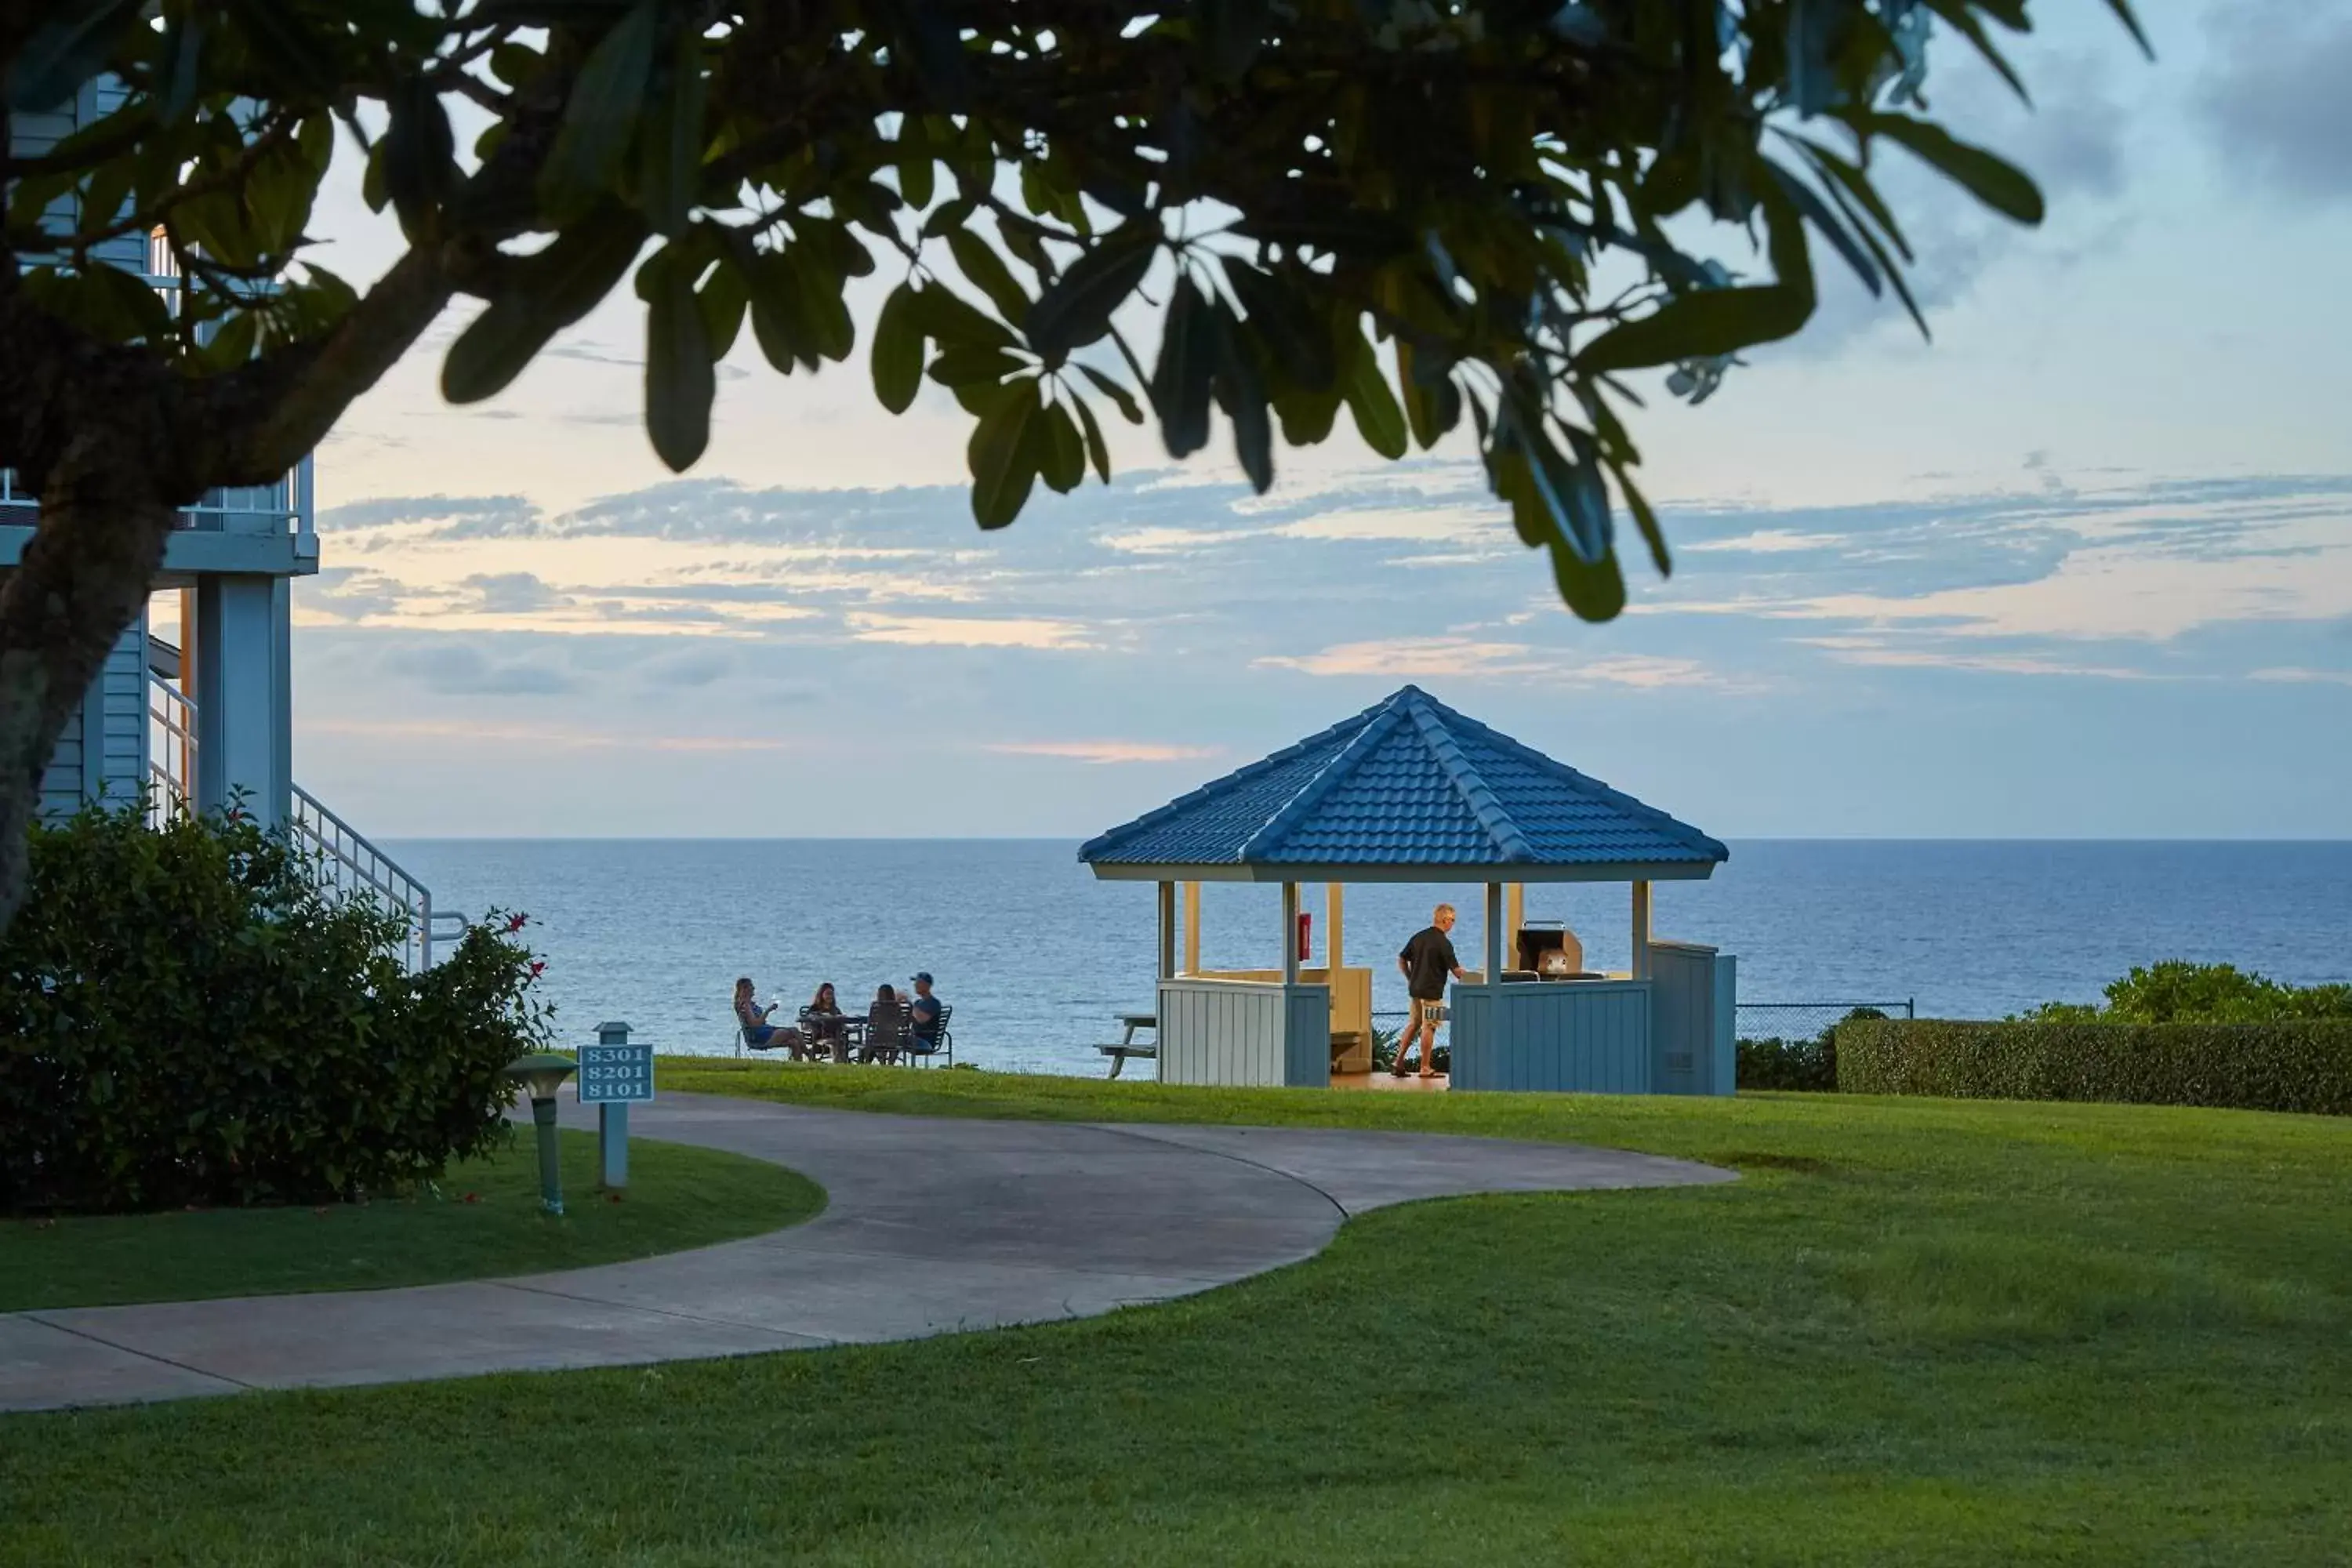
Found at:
(516, 923)
(537, 967)
(471, 1198)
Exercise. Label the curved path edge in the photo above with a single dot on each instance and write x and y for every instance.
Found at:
(931, 1226)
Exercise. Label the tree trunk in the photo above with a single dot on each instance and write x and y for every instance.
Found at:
(85, 574)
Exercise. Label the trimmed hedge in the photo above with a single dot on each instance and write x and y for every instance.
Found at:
(2304, 1066)
(184, 1019)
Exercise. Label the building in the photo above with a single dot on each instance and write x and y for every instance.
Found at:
(206, 720)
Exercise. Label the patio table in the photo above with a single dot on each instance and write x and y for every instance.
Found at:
(1126, 1047)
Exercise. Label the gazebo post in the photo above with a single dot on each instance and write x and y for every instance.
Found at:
(1515, 916)
(1191, 927)
(1167, 930)
(1332, 916)
(1494, 933)
(1638, 966)
(1290, 933)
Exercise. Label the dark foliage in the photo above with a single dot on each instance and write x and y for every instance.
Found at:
(184, 1019)
(2297, 1065)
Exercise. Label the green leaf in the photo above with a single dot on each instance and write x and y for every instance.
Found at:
(1227, 36)
(1307, 417)
(1128, 408)
(184, 49)
(1299, 341)
(1814, 209)
(419, 153)
(1063, 460)
(1430, 410)
(1188, 362)
(949, 318)
(1998, 183)
(105, 301)
(66, 49)
(1077, 310)
(779, 317)
(722, 300)
(607, 96)
(1647, 521)
(1595, 590)
(671, 168)
(232, 343)
(1097, 448)
(1002, 458)
(898, 355)
(553, 290)
(978, 262)
(1378, 419)
(968, 365)
(680, 380)
(1697, 325)
(1241, 391)
(823, 302)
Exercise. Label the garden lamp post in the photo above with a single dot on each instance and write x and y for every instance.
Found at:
(542, 1074)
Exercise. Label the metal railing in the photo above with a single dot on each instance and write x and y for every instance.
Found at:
(284, 502)
(171, 750)
(347, 863)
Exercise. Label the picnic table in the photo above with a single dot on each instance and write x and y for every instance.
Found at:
(843, 1033)
(1127, 1045)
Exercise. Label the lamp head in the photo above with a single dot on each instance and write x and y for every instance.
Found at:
(541, 1073)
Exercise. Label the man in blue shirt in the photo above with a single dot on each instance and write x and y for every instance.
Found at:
(923, 1010)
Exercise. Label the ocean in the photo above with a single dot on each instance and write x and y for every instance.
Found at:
(1037, 957)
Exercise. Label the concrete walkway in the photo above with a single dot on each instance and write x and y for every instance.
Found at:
(931, 1226)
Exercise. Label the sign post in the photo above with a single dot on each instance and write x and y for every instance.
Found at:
(614, 1075)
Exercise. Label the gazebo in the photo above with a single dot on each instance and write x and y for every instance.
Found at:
(1410, 790)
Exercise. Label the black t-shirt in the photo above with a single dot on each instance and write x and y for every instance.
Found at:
(1428, 961)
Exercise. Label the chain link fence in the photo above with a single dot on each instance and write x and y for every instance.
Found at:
(1811, 1020)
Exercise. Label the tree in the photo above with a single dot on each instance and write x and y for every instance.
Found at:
(1421, 211)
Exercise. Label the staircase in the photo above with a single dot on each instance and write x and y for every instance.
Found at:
(342, 860)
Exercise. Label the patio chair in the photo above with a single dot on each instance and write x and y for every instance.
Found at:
(921, 1046)
(782, 1040)
(825, 1035)
(888, 1031)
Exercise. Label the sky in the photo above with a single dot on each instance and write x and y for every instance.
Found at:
(2080, 567)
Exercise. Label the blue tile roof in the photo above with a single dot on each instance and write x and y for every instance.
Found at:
(1407, 781)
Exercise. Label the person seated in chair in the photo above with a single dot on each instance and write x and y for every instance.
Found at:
(821, 1020)
(886, 1026)
(923, 1011)
(758, 1033)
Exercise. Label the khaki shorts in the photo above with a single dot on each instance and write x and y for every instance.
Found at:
(1430, 1012)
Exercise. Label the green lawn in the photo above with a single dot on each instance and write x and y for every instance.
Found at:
(484, 1219)
(1917, 1331)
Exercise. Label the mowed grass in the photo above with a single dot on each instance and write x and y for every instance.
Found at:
(1916, 1332)
(482, 1219)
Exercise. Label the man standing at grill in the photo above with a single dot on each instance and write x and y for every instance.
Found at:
(1426, 963)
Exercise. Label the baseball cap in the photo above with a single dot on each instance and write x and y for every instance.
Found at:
(923, 975)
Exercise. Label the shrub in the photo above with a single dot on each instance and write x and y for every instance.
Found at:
(185, 1018)
(1805, 1066)
(2176, 992)
(2295, 1065)
(1808, 1067)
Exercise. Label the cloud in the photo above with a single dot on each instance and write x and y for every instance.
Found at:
(968, 631)
(2274, 94)
(453, 669)
(457, 516)
(1767, 541)
(1871, 652)
(512, 593)
(539, 736)
(1462, 658)
(1104, 752)
(2297, 676)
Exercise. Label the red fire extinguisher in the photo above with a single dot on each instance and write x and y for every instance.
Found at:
(1306, 937)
